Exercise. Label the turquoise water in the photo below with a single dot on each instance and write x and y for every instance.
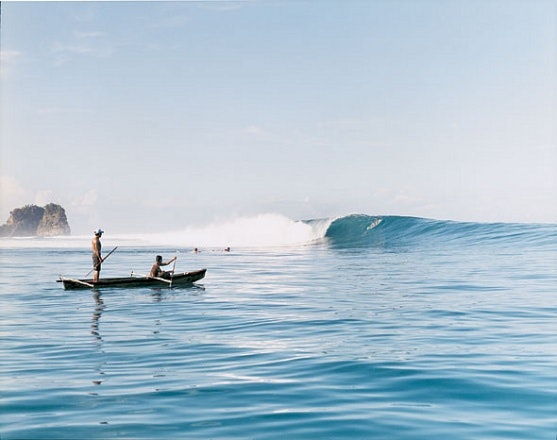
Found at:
(384, 328)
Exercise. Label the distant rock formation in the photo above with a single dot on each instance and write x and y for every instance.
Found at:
(32, 220)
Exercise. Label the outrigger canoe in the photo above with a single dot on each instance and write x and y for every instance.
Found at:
(179, 279)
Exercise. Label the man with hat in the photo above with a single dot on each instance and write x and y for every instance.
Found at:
(97, 258)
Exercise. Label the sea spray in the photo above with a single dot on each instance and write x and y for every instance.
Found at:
(265, 230)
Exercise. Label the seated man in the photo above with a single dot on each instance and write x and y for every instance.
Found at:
(156, 270)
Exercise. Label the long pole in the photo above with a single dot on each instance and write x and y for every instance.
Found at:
(77, 281)
(172, 274)
(151, 278)
(102, 259)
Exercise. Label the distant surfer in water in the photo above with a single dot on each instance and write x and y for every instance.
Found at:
(156, 270)
(97, 258)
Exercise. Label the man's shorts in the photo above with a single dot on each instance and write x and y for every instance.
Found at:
(96, 263)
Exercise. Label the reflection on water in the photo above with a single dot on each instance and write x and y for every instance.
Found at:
(161, 293)
(97, 315)
(157, 295)
(95, 320)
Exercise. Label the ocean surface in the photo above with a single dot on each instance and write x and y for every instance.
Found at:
(356, 327)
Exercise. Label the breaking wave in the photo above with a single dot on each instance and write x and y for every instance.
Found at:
(394, 231)
(350, 231)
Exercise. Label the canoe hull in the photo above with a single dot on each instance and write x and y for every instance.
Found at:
(179, 279)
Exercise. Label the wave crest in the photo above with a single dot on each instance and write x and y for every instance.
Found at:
(361, 230)
(355, 230)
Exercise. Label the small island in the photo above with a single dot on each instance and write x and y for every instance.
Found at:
(34, 221)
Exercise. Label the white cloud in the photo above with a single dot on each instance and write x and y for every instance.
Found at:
(11, 187)
(12, 195)
(88, 34)
(100, 51)
(7, 55)
(86, 14)
(59, 110)
(86, 200)
(83, 43)
(222, 6)
(76, 49)
(43, 197)
(8, 61)
(256, 131)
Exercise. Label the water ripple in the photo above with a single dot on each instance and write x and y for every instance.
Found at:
(278, 344)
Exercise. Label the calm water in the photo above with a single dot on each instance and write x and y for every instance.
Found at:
(398, 329)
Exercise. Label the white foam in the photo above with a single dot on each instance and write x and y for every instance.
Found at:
(374, 224)
(264, 230)
(74, 241)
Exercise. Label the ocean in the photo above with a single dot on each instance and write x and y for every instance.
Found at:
(367, 327)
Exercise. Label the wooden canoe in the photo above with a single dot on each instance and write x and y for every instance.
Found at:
(179, 279)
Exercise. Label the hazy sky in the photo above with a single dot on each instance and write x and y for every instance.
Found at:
(153, 115)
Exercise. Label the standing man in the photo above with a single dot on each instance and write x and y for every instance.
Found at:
(97, 259)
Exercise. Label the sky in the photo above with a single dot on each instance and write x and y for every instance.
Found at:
(149, 116)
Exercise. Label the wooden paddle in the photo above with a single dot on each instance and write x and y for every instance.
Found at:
(172, 273)
(102, 259)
